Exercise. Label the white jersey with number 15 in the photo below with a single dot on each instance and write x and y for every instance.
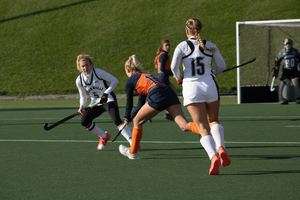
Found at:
(197, 63)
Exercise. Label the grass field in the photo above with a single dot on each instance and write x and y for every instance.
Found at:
(42, 38)
(63, 163)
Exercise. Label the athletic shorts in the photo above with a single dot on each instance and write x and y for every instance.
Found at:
(204, 90)
(161, 97)
(289, 74)
(111, 107)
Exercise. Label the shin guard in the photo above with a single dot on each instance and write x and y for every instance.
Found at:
(94, 128)
(209, 145)
(193, 128)
(126, 132)
(296, 88)
(284, 91)
(137, 134)
(217, 132)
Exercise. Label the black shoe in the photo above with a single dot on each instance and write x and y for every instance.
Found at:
(284, 102)
(298, 101)
(169, 117)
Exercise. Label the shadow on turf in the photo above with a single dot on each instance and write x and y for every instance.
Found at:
(260, 120)
(265, 172)
(245, 147)
(164, 156)
(174, 149)
(45, 11)
(74, 109)
(267, 157)
(48, 108)
(49, 124)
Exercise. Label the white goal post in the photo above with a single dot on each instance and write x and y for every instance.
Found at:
(254, 50)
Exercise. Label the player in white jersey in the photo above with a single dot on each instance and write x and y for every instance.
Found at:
(200, 90)
(93, 80)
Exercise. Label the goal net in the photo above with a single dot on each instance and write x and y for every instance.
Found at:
(262, 40)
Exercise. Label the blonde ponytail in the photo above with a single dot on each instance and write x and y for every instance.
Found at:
(194, 26)
(133, 64)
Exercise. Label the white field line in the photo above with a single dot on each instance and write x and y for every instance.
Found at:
(241, 117)
(158, 142)
(78, 118)
(146, 142)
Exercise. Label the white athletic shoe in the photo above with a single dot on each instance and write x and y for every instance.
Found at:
(126, 152)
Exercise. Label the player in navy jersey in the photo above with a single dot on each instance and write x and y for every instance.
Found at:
(162, 63)
(290, 71)
(159, 97)
(93, 80)
(200, 90)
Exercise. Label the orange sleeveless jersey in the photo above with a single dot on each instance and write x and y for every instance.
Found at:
(145, 82)
(167, 66)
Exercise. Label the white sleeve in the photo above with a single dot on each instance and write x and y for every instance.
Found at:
(177, 57)
(82, 92)
(108, 77)
(220, 63)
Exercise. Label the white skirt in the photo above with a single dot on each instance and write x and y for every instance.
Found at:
(204, 90)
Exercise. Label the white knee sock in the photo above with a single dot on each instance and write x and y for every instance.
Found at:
(126, 133)
(217, 132)
(94, 128)
(209, 145)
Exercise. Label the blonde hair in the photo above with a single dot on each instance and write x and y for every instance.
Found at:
(133, 64)
(159, 50)
(83, 57)
(194, 26)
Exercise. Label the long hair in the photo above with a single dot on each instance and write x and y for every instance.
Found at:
(194, 26)
(159, 50)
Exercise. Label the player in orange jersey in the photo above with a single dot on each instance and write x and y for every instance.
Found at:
(159, 97)
(162, 63)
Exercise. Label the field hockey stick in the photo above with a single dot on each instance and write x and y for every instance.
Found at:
(240, 65)
(47, 128)
(123, 126)
(272, 84)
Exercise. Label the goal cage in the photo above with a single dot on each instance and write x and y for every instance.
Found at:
(262, 40)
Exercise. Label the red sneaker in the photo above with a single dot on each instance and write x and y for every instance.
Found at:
(103, 141)
(215, 163)
(225, 160)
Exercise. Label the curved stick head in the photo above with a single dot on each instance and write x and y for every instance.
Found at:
(46, 127)
(272, 89)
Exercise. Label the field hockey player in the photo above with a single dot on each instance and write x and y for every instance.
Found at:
(93, 80)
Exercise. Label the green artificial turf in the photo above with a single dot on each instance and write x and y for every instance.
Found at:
(63, 163)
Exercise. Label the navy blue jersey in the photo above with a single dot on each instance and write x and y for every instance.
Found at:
(163, 67)
(158, 95)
